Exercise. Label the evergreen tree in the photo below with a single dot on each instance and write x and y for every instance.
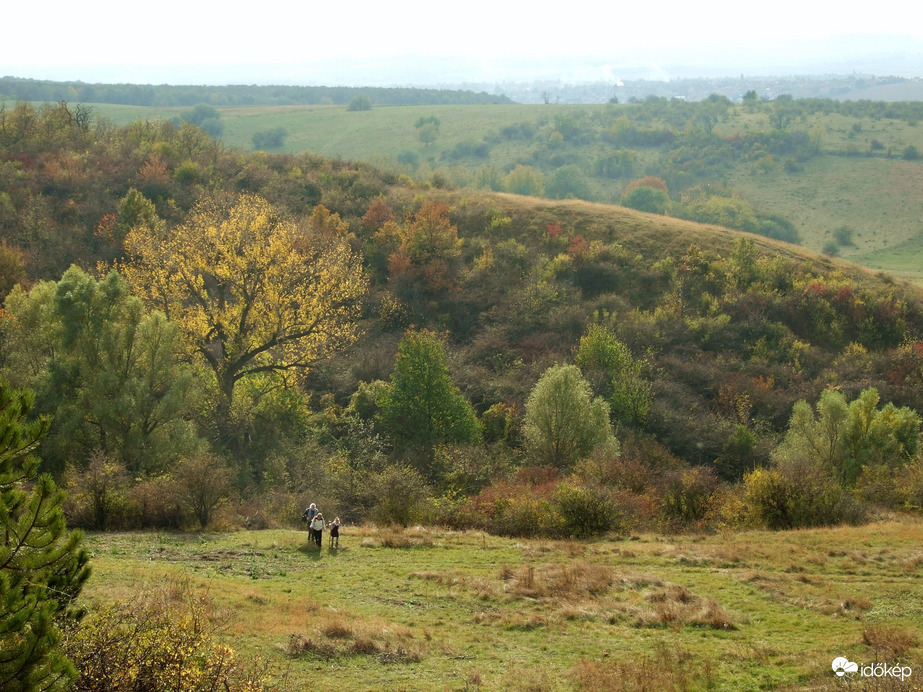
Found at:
(423, 407)
(42, 567)
(104, 369)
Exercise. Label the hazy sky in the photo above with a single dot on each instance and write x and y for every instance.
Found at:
(355, 42)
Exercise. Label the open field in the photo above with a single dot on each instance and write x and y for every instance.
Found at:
(427, 609)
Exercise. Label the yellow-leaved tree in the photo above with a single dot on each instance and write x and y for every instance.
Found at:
(252, 291)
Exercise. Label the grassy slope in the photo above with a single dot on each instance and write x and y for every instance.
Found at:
(756, 610)
(877, 197)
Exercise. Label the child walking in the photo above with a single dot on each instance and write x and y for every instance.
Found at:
(334, 527)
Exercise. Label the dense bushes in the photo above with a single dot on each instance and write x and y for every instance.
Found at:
(798, 497)
(166, 637)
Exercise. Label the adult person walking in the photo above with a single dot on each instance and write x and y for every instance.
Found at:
(317, 529)
(309, 514)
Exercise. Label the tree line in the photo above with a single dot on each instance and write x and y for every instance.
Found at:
(165, 95)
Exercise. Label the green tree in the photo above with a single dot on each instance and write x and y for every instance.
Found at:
(910, 153)
(712, 110)
(42, 566)
(136, 210)
(360, 103)
(887, 436)
(783, 110)
(820, 439)
(104, 368)
(722, 208)
(423, 407)
(568, 181)
(427, 129)
(269, 139)
(525, 180)
(563, 422)
(207, 117)
(842, 438)
(614, 374)
(643, 196)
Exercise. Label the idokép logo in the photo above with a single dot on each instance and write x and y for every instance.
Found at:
(843, 666)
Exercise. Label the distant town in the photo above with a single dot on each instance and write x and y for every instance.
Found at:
(851, 87)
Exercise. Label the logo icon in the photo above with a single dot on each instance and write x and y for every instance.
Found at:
(842, 665)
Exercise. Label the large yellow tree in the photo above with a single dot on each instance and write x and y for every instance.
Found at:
(252, 291)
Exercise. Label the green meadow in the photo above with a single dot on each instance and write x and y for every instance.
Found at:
(428, 609)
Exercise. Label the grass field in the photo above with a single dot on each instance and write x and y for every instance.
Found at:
(433, 610)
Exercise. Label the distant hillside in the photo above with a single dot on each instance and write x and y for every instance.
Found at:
(730, 329)
(908, 90)
(164, 95)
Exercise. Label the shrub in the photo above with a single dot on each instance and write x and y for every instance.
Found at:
(687, 495)
(466, 469)
(526, 516)
(584, 511)
(203, 484)
(400, 495)
(501, 423)
(910, 486)
(798, 495)
(154, 504)
(96, 495)
(767, 498)
(162, 639)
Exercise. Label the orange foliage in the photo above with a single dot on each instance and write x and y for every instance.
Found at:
(378, 214)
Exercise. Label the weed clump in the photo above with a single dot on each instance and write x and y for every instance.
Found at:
(675, 605)
(667, 669)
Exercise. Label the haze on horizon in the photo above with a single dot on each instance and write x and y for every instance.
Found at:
(412, 42)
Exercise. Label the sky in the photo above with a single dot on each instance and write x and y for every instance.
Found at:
(412, 41)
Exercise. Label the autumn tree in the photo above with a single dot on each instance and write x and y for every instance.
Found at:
(251, 291)
(42, 566)
(429, 248)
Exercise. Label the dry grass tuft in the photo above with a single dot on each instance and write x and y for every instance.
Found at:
(675, 606)
(635, 582)
(334, 637)
(888, 643)
(668, 669)
(337, 630)
(395, 537)
(579, 580)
